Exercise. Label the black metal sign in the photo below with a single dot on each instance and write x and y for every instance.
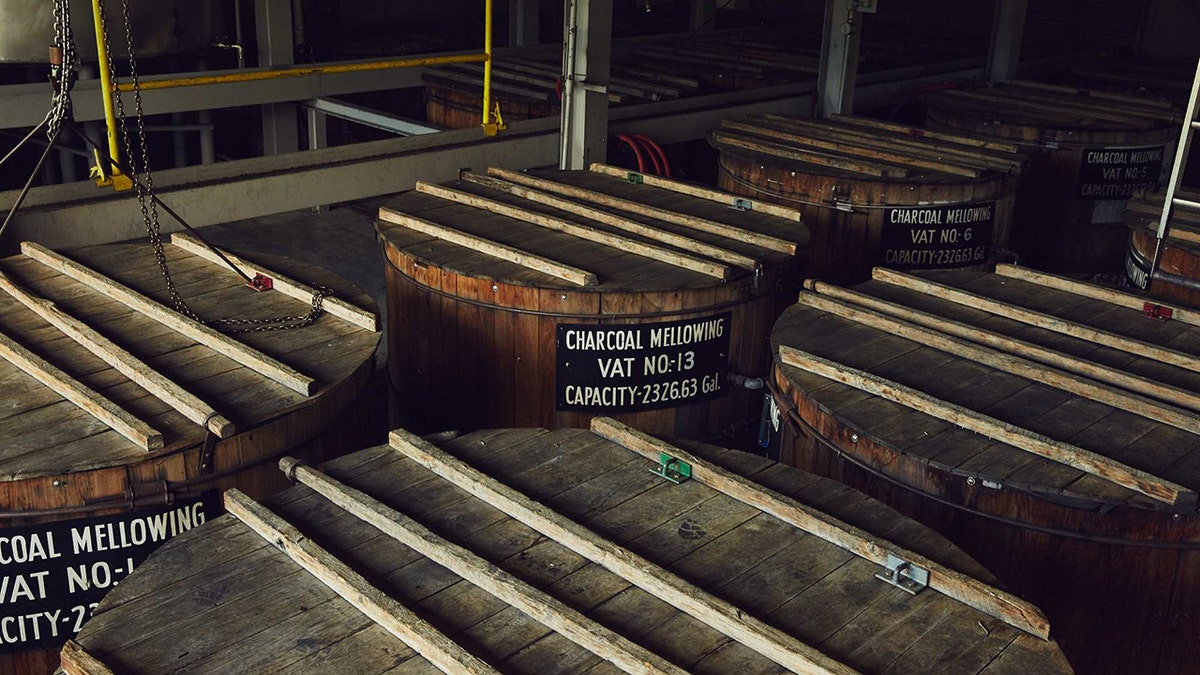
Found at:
(53, 574)
(936, 237)
(1118, 173)
(630, 367)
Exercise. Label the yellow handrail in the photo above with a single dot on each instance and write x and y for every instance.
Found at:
(118, 181)
(257, 75)
(490, 128)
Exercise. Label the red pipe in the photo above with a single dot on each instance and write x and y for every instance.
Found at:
(666, 166)
(636, 151)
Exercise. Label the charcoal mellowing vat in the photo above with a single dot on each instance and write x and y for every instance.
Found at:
(121, 418)
(1045, 425)
(875, 193)
(545, 298)
(701, 576)
(1088, 152)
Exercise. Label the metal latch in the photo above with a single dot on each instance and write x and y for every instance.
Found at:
(904, 575)
(261, 282)
(1160, 312)
(635, 178)
(742, 205)
(672, 469)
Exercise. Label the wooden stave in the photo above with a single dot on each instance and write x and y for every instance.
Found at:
(1059, 573)
(824, 256)
(827, 496)
(409, 281)
(1051, 241)
(1177, 257)
(336, 419)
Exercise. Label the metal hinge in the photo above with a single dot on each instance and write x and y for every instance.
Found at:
(904, 575)
(742, 205)
(672, 469)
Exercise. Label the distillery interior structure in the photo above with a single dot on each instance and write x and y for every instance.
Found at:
(599, 336)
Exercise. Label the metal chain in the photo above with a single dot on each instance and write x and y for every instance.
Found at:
(278, 323)
(64, 40)
(145, 193)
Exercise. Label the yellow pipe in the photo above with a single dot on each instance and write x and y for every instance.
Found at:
(487, 69)
(254, 76)
(106, 88)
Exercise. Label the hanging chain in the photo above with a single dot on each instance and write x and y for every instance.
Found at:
(145, 193)
(64, 41)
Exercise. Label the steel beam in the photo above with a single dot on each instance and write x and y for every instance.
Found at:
(273, 22)
(839, 58)
(587, 47)
(376, 119)
(524, 22)
(1007, 31)
(76, 214)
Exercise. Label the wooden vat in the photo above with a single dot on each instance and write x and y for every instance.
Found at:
(545, 298)
(1038, 422)
(1180, 253)
(697, 577)
(1088, 152)
(86, 496)
(875, 193)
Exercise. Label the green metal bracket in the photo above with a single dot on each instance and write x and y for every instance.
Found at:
(672, 469)
(635, 178)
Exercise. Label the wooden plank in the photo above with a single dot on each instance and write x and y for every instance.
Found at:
(514, 255)
(350, 585)
(1081, 459)
(127, 364)
(1008, 608)
(1116, 297)
(1096, 371)
(696, 223)
(616, 241)
(218, 342)
(285, 285)
(1155, 410)
(581, 630)
(686, 243)
(851, 149)
(81, 395)
(692, 190)
(770, 642)
(1039, 319)
(76, 661)
(825, 159)
(960, 139)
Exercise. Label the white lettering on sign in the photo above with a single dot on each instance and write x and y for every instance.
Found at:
(52, 575)
(641, 366)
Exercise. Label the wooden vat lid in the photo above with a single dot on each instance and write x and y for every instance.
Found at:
(604, 230)
(1144, 211)
(1015, 379)
(222, 598)
(105, 374)
(866, 149)
(1048, 106)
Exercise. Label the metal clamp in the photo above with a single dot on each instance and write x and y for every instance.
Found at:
(843, 205)
(261, 282)
(1160, 312)
(904, 575)
(672, 469)
(635, 178)
(742, 205)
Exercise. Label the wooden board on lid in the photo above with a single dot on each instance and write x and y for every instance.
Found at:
(223, 597)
